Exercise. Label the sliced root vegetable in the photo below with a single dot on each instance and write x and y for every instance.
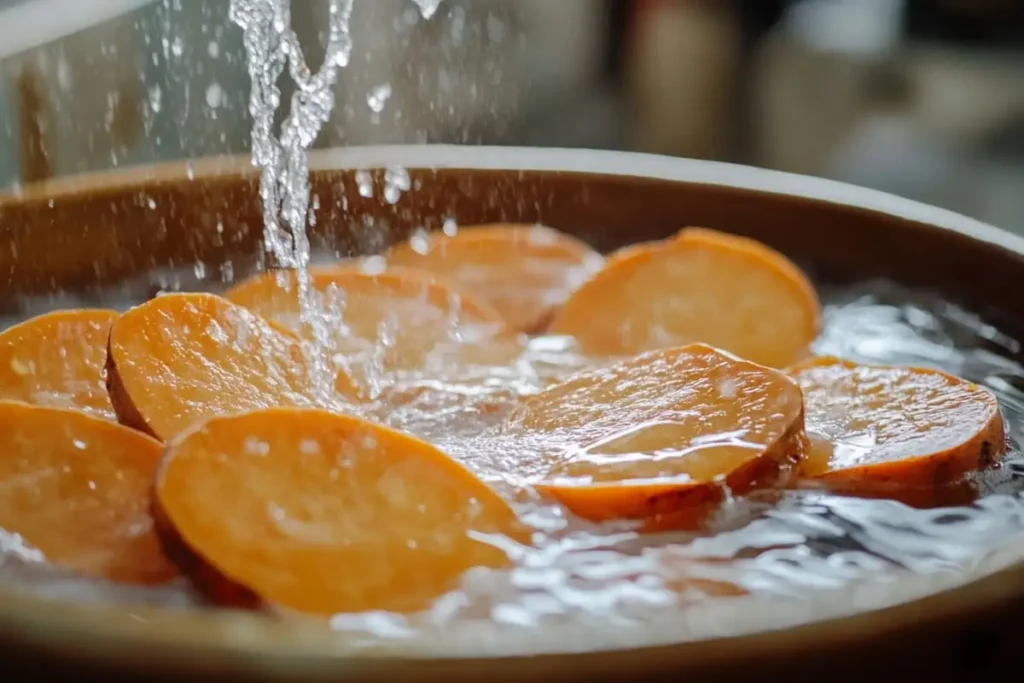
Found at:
(77, 490)
(326, 513)
(890, 428)
(180, 358)
(657, 436)
(404, 320)
(56, 359)
(525, 271)
(702, 286)
(633, 250)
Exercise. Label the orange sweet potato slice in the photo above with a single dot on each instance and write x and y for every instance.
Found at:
(525, 271)
(328, 513)
(409, 320)
(180, 358)
(77, 490)
(655, 436)
(884, 428)
(702, 286)
(56, 359)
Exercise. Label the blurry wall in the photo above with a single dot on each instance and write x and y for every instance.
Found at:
(918, 97)
(168, 80)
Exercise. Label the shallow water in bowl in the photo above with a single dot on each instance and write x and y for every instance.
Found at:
(776, 545)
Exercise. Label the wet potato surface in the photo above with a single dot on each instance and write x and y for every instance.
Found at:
(662, 427)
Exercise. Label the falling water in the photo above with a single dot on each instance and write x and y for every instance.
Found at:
(270, 43)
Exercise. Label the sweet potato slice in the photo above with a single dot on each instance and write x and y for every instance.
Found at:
(525, 271)
(179, 358)
(77, 490)
(327, 513)
(402, 320)
(653, 437)
(56, 359)
(702, 286)
(892, 428)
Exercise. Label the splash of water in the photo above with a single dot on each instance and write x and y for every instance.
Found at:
(270, 44)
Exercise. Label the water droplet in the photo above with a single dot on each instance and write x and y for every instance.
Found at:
(63, 73)
(364, 181)
(155, 99)
(420, 242)
(378, 97)
(213, 49)
(396, 181)
(256, 446)
(428, 7)
(374, 265)
(214, 95)
(450, 228)
(79, 444)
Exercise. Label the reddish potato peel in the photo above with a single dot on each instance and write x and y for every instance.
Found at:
(181, 358)
(655, 437)
(884, 428)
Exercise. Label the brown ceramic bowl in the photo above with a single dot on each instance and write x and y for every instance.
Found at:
(84, 232)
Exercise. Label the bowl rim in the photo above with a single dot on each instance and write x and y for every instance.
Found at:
(210, 639)
(543, 159)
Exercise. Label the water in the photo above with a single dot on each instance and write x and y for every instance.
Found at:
(270, 44)
(794, 546)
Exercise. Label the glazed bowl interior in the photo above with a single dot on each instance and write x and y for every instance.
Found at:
(89, 236)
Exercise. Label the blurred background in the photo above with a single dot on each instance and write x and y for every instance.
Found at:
(923, 98)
